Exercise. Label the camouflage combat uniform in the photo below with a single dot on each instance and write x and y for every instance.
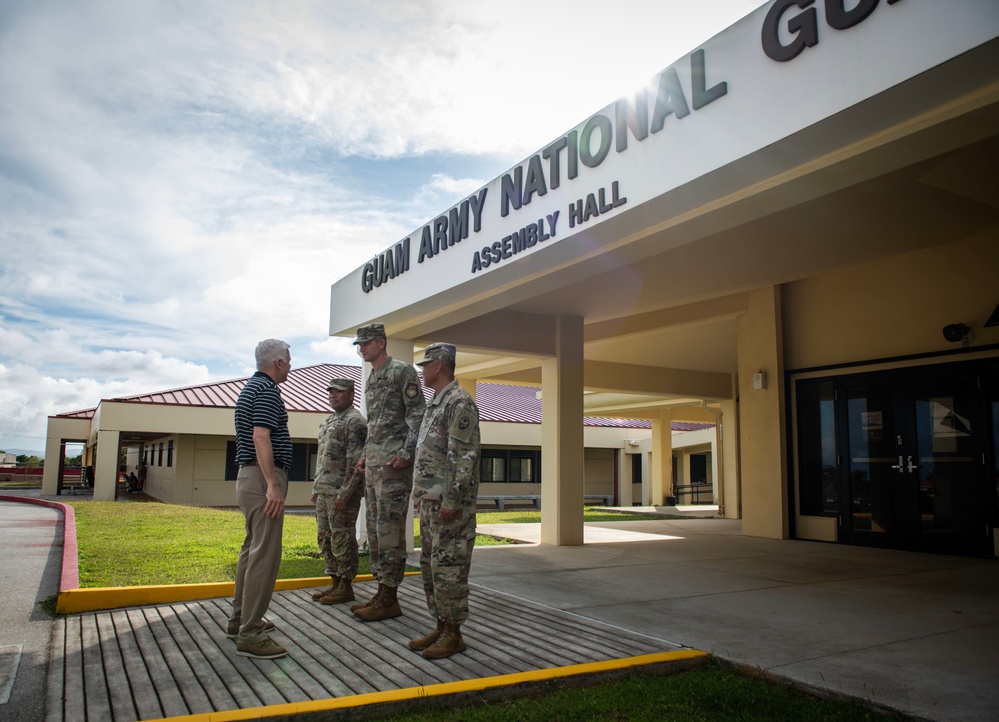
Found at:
(341, 444)
(395, 404)
(446, 474)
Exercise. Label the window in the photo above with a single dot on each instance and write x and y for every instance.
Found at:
(303, 462)
(170, 453)
(493, 466)
(159, 456)
(510, 465)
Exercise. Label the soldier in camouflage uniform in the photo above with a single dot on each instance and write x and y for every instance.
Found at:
(395, 404)
(445, 485)
(338, 490)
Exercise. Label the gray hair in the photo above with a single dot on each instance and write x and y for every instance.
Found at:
(269, 351)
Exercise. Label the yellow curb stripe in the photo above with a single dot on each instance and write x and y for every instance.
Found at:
(443, 689)
(72, 601)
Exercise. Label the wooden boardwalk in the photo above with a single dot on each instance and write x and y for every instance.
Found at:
(172, 660)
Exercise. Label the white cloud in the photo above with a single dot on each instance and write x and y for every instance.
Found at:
(181, 180)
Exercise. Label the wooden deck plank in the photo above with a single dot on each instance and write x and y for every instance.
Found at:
(330, 634)
(212, 641)
(341, 672)
(177, 656)
(95, 686)
(252, 674)
(575, 633)
(122, 705)
(57, 686)
(165, 686)
(191, 670)
(140, 686)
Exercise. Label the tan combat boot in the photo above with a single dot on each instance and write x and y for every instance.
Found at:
(316, 596)
(365, 605)
(387, 606)
(421, 643)
(450, 642)
(343, 593)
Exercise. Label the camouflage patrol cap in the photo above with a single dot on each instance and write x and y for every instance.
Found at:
(369, 333)
(438, 352)
(340, 385)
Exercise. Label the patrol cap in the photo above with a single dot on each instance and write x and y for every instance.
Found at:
(340, 385)
(438, 352)
(369, 333)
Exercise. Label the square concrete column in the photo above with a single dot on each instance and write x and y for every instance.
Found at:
(106, 469)
(761, 416)
(625, 478)
(728, 484)
(662, 457)
(562, 436)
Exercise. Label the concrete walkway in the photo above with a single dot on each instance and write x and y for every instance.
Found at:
(31, 540)
(917, 633)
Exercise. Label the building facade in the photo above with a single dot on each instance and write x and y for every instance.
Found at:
(185, 440)
(794, 230)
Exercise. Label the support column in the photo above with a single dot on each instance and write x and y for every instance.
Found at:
(761, 417)
(106, 468)
(729, 487)
(624, 478)
(662, 458)
(55, 448)
(562, 436)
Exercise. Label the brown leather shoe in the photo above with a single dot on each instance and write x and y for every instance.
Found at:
(421, 643)
(385, 607)
(364, 605)
(450, 642)
(316, 596)
(343, 593)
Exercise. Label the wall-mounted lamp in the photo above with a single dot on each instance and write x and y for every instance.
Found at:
(760, 380)
(632, 442)
(955, 332)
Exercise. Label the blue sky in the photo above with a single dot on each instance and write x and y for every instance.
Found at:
(182, 179)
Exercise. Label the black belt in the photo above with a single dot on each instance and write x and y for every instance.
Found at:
(286, 468)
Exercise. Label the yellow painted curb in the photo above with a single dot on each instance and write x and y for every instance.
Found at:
(443, 689)
(72, 601)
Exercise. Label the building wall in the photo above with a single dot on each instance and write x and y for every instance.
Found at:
(893, 307)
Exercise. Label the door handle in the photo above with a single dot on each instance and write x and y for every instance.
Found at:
(911, 467)
(899, 465)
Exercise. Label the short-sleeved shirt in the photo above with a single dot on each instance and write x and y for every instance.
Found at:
(260, 404)
(341, 444)
(394, 402)
(446, 467)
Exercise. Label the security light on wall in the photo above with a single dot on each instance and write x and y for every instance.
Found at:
(955, 332)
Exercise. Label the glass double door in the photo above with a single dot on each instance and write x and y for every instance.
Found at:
(916, 474)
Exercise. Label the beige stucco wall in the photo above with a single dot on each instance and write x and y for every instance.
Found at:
(894, 307)
(59, 429)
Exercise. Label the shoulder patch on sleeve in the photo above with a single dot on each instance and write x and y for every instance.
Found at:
(462, 425)
(412, 390)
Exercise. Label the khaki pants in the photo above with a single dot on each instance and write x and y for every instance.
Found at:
(260, 556)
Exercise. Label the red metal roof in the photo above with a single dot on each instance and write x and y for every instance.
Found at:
(305, 390)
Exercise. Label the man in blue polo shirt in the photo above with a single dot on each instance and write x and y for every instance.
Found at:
(263, 453)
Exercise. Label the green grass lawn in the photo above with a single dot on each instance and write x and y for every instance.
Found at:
(714, 692)
(128, 544)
